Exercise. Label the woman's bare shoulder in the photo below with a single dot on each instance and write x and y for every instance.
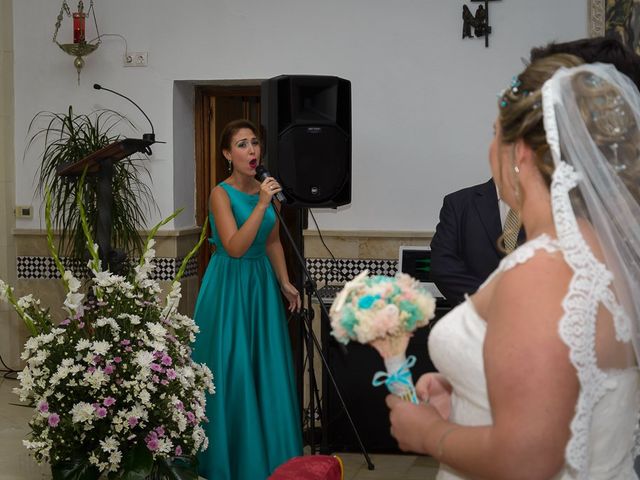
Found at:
(532, 288)
(218, 196)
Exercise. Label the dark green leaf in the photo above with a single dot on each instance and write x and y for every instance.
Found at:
(136, 463)
(76, 469)
(178, 468)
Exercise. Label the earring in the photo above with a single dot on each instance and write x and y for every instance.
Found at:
(229, 165)
(514, 176)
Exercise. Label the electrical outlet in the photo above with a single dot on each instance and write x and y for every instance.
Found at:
(23, 211)
(135, 59)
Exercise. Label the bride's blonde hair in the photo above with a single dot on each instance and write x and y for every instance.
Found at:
(521, 108)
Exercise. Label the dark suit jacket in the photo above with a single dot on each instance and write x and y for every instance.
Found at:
(464, 248)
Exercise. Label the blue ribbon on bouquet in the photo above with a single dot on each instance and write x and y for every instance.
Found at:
(401, 376)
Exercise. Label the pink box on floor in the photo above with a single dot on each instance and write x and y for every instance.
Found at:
(310, 467)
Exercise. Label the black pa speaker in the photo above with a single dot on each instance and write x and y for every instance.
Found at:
(307, 128)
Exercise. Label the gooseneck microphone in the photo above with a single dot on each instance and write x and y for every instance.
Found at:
(146, 136)
(261, 174)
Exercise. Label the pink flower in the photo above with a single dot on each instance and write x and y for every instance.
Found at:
(107, 402)
(191, 418)
(166, 360)
(109, 369)
(152, 441)
(155, 367)
(133, 421)
(164, 382)
(171, 373)
(155, 379)
(178, 451)
(43, 406)
(117, 359)
(125, 342)
(101, 412)
(54, 420)
(65, 322)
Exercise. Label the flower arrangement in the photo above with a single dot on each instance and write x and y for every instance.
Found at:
(383, 312)
(113, 385)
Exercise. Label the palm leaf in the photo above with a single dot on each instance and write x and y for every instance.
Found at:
(67, 138)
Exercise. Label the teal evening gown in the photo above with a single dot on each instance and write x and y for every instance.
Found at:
(254, 418)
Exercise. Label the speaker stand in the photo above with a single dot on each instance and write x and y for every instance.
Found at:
(311, 342)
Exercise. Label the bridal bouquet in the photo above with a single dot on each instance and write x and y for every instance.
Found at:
(113, 385)
(383, 312)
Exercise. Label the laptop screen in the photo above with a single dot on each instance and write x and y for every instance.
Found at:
(416, 261)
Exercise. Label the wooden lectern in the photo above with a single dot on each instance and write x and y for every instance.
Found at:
(101, 163)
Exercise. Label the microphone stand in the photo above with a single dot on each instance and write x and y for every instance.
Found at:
(311, 286)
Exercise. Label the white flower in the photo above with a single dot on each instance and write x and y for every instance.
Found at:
(82, 412)
(134, 319)
(83, 344)
(107, 279)
(32, 344)
(73, 301)
(143, 271)
(173, 299)
(156, 329)
(114, 460)
(3, 291)
(72, 282)
(102, 321)
(95, 378)
(144, 358)
(145, 397)
(100, 347)
(109, 444)
(44, 339)
(26, 301)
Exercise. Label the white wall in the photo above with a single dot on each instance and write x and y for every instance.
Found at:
(423, 99)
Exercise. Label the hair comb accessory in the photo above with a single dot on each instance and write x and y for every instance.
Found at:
(514, 87)
(515, 84)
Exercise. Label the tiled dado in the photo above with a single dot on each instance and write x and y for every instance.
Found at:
(36, 271)
(354, 251)
(45, 268)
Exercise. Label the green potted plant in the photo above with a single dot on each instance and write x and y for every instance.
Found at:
(68, 138)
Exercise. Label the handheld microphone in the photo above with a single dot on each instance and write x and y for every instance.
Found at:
(145, 136)
(261, 174)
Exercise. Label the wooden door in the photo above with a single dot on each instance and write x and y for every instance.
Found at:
(214, 108)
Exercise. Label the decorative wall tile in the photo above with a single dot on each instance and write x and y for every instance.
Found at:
(32, 267)
(342, 270)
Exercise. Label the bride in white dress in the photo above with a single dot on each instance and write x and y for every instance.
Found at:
(538, 369)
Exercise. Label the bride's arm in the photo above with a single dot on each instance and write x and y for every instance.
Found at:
(532, 385)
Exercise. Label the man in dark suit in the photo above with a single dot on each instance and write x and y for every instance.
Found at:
(464, 249)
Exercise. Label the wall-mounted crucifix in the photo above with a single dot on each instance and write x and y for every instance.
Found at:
(478, 21)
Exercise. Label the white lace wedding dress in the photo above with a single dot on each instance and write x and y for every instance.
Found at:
(605, 425)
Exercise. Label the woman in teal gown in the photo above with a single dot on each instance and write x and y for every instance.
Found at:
(254, 418)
